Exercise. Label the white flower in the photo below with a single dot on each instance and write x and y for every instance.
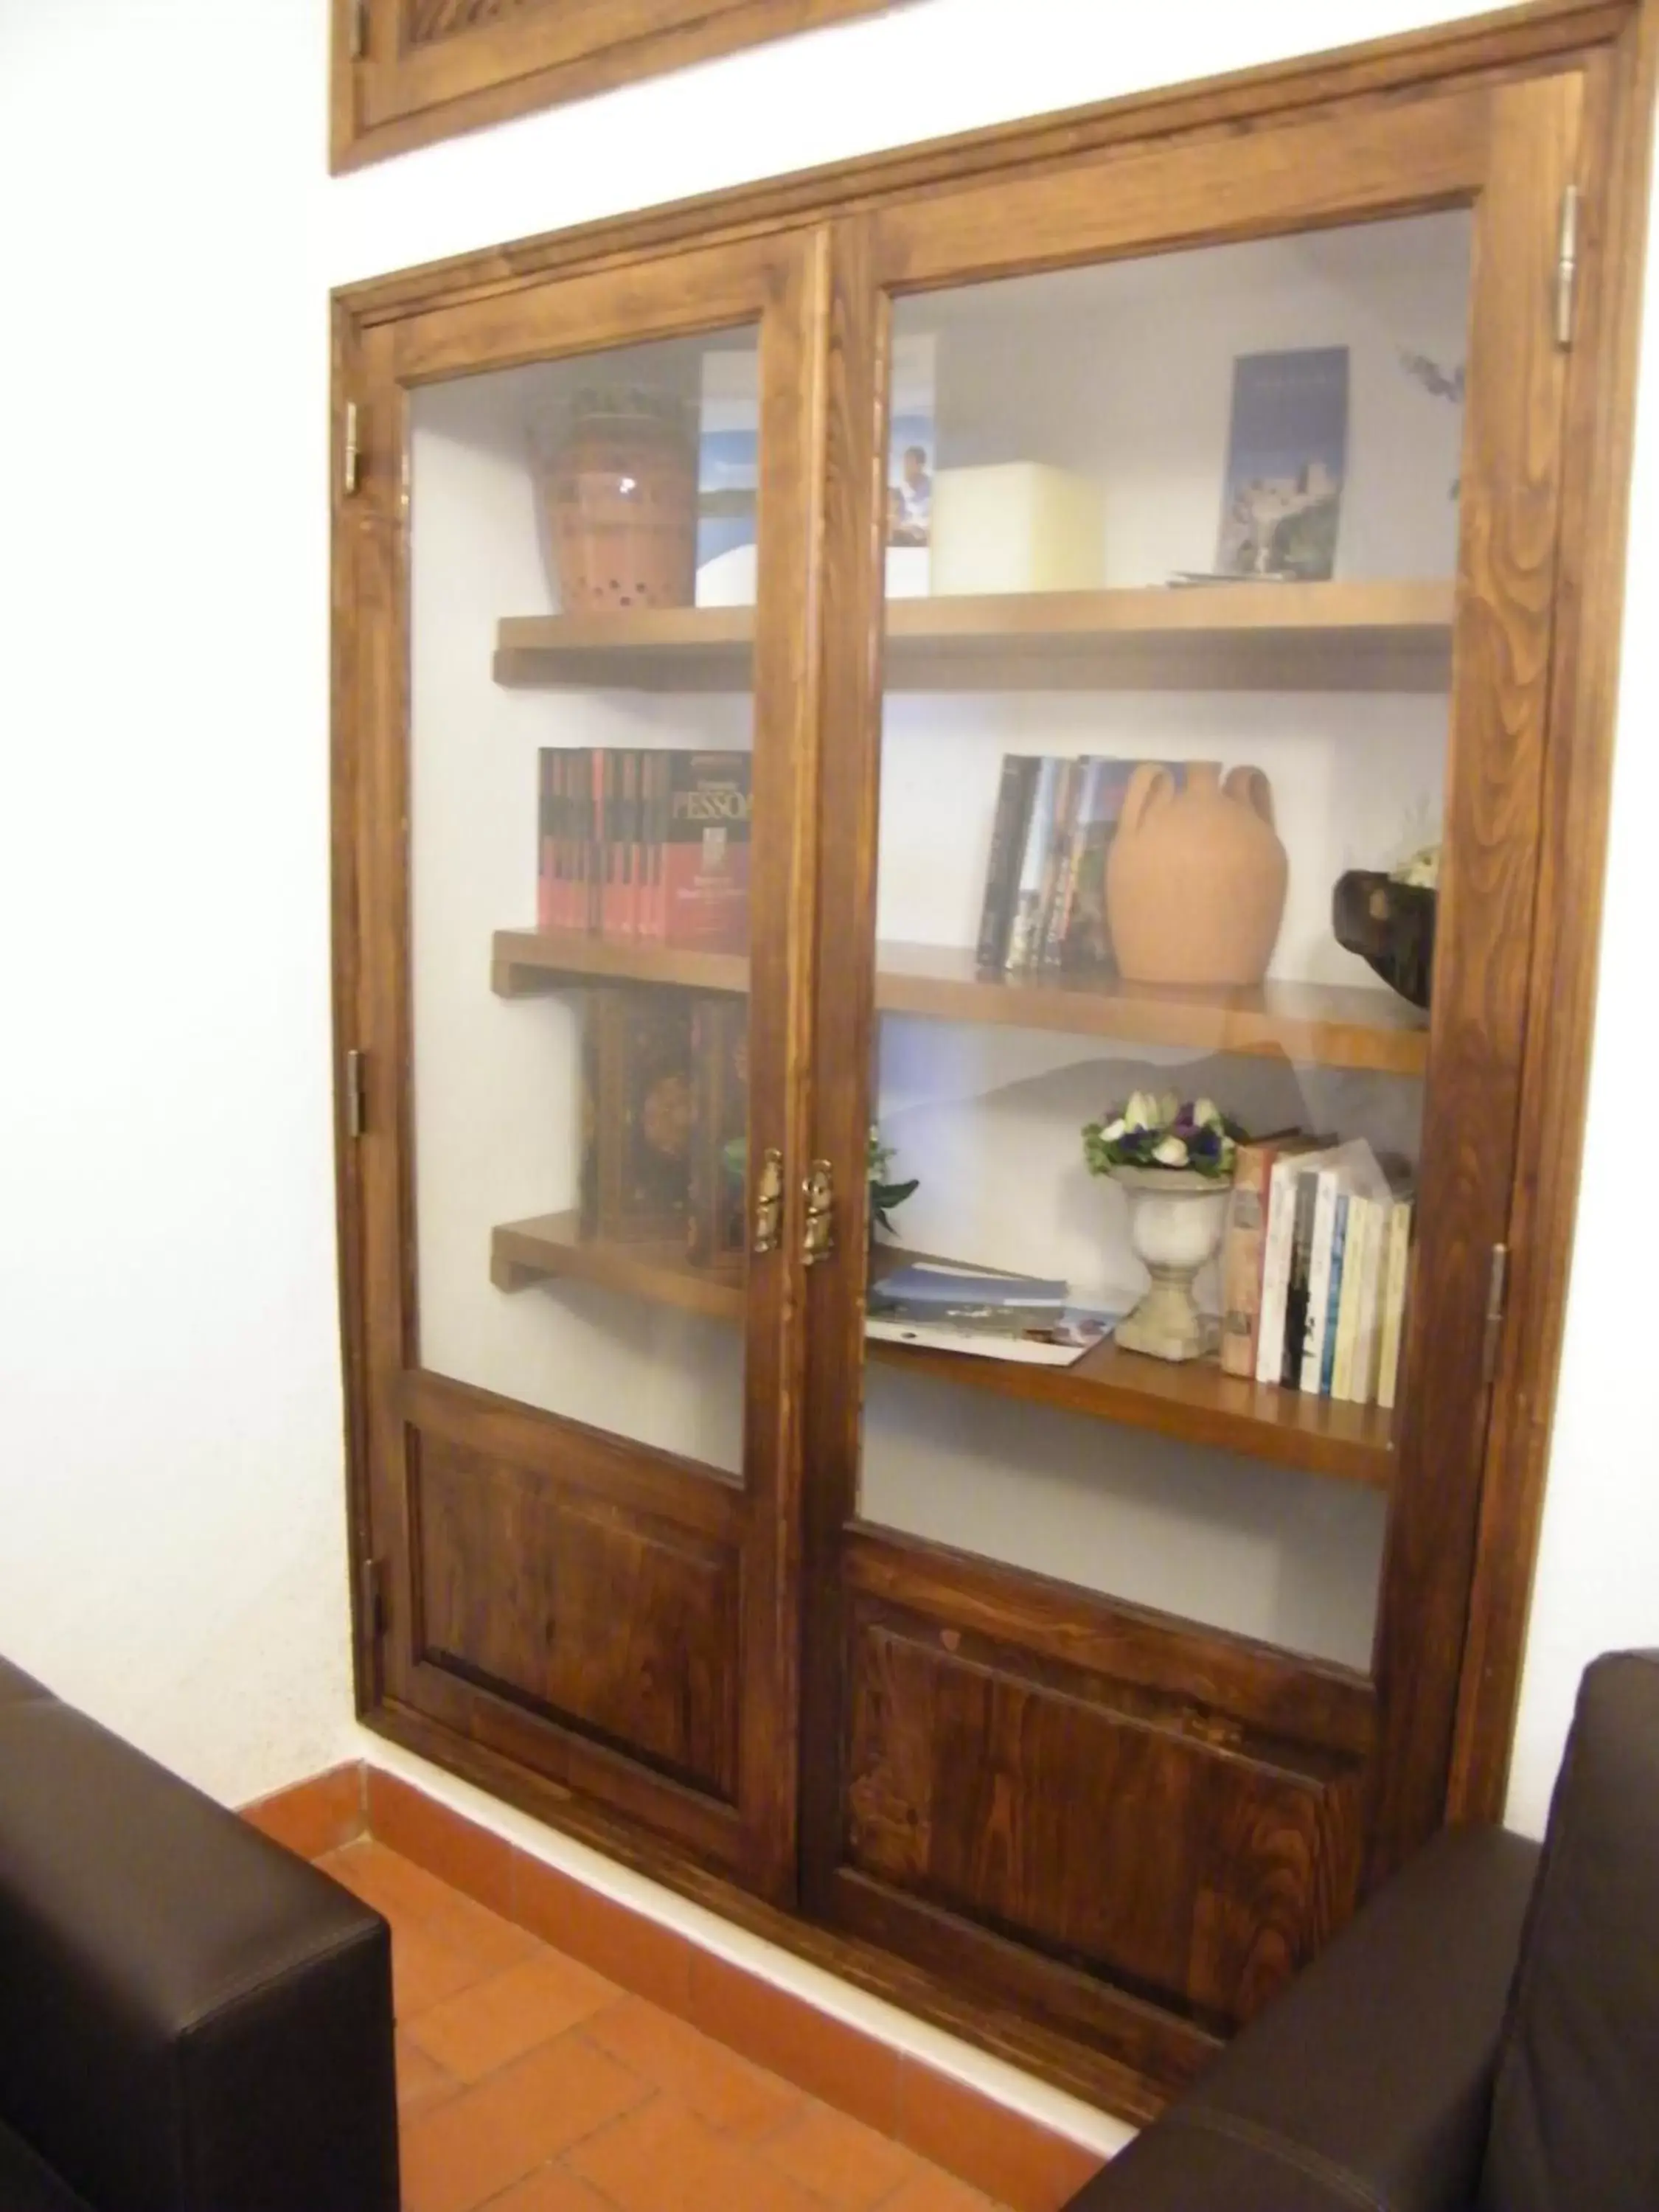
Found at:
(1206, 1114)
(1141, 1112)
(1168, 1105)
(1171, 1154)
(1113, 1131)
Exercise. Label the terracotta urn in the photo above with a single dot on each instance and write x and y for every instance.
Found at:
(1196, 880)
(621, 493)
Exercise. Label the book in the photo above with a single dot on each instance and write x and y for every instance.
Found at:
(1059, 1342)
(1286, 456)
(1068, 785)
(1392, 1334)
(705, 857)
(1297, 1278)
(1244, 1246)
(1026, 915)
(716, 1219)
(1359, 1257)
(1368, 1331)
(636, 1115)
(1008, 829)
(1333, 1297)
(1278, 1239)
(937, 1284)
(1349, 1168)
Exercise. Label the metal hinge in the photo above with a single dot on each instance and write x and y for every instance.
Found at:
(358, 28)
(1566, 266)
(350, 450)
(356, 1093)
(1498, 1284)
(372, 1593)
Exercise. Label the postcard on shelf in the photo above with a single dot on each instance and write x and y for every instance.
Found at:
(1286, 457)
(912, 458)
(939, 1283)
(1061, 1341)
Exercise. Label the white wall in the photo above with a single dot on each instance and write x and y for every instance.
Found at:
(171, 1531)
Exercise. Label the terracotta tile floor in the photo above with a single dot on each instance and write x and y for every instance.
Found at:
(529, 2083)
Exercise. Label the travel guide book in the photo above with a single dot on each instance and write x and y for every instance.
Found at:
(1287, 452)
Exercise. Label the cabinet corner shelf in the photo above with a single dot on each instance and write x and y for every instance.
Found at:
(1329, 1025)
(1388, 636)
(1194, 1401)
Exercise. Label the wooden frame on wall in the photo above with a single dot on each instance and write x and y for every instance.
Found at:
(405, 72)
(1617, 43)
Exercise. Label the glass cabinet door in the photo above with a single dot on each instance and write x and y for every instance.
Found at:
(603, 561)
(1205, 832)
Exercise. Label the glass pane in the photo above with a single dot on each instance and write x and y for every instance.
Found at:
(580, 883)
(1169, 597)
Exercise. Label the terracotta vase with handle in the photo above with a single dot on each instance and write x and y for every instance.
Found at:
(1196, 880)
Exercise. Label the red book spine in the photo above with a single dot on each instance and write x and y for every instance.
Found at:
(561, 905)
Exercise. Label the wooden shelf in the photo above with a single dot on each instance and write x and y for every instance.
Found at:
(524, 1252)
(1329, 1025)
(1194, 1400)
(1255, 637)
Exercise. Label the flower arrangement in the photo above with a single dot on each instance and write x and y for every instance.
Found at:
(884, 1193)
(1162, 1131)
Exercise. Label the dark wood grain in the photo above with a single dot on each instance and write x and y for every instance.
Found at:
(590, 1612)
(788, 665)
(1027, 1803)
(1511, 485)
(433, 68)
(1268, 1693)
(859, 337)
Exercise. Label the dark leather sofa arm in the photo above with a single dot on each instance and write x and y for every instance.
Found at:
(1368, 2082)
(191, 2018)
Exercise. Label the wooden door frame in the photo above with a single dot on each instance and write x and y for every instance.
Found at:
(1618, 43)
(779, 280)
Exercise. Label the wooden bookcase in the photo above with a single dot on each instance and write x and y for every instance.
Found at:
(1073, 1706)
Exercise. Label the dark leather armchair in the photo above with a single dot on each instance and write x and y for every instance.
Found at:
(1483, 2037)
(191, 2018)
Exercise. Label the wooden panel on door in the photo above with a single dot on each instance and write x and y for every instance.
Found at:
(589, 1613)
(1190, 1858)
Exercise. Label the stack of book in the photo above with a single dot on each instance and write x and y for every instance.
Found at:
(945, 1307)
(1314, 1269)
(642, 845)
(1045, 885)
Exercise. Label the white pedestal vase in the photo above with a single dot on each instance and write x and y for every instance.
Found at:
(1175, 1219)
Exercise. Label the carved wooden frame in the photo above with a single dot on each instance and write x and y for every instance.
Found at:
(405, 72)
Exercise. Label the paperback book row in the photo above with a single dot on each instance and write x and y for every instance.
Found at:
(1045, 883)
(664, 1117)
(645, 846)
(1314, 1269)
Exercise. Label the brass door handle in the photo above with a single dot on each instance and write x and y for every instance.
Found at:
(768, 1201)
(818, 1238)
